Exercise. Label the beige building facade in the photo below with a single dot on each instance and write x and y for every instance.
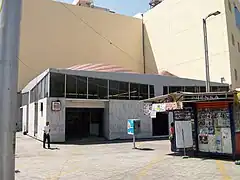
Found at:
(174, 29)
(169, 38)
(56, 35)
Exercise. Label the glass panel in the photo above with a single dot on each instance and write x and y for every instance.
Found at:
(143, 91)
(152, 92)
(223, 88)
(214, 89)
(173, 89)
(190, 89)
(33, 94)
(134, 91)
(25, 99)
(197, 89)
(97, 88)
(202, 89)
(71, 87)
(81, 87)
(118, 90)
(165, 90)
(46, 86)
(57, 85)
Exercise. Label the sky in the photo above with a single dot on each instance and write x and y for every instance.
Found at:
(126, 7)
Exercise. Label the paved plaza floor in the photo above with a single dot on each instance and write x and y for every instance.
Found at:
(114, 161)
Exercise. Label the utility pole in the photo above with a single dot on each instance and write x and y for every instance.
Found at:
(10, 16)
(206, 49)
(206, 56)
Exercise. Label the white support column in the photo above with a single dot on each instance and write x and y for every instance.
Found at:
(10, 15)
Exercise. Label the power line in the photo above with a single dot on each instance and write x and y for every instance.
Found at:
(94, 30)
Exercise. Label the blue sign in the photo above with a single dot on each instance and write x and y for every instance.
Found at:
(130, 126)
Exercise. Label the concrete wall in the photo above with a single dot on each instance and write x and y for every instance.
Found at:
(119, 113)
(52, 36)
(234, 50)
(56, 120)
(174, 30)
(106, 122)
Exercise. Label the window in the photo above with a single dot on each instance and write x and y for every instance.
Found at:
(82, 87)
(57, 85)
(233, 40)
(238, 47)
(237, 17)
(143, 91)
(134, 91)
(235, 74)
(45, 81)
(189, 89)
(97, 88)
(71, 87)
(40, 90)
(25, 99)
(33, 95)
(229, 6)
(223, 88)
(214, 89)
(202, 89)
(165, 90)
(152, 92)
(118, 90)
(173, 89)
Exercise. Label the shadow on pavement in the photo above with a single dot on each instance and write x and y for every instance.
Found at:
(54, 148)
(145, 149)
(96, 141)
(203, 157)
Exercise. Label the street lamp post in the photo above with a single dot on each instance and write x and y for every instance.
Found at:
(206, 49)
(10, 14)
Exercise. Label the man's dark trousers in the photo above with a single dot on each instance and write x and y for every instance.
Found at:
(46, 137)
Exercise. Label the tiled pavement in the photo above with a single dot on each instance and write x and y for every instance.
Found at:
(114, 162)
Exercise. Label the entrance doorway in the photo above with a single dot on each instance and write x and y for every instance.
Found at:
(83, 123)
(160, 124)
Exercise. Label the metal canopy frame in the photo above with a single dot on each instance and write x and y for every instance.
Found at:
(192, 97)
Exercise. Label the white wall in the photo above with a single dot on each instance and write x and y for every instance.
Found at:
(119, 113)
(31, 117)
(42, 117)
(24, 118)
(56, 120)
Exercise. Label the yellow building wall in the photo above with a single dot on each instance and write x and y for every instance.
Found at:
(175, 33)
(55, 37)
(234, 49)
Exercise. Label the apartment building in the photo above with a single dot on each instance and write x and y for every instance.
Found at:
(174, 28)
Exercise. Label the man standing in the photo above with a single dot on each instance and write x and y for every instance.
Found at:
(46, 135)
(172, 137)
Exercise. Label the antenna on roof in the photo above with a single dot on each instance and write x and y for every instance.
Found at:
(154, 3)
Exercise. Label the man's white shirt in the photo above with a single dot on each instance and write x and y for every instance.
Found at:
(46, 129)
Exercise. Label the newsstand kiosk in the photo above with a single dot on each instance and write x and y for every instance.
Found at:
(210, 121)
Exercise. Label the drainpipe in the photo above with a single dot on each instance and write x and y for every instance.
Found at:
(143, 49)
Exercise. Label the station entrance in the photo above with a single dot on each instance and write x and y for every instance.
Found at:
(83, 123)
